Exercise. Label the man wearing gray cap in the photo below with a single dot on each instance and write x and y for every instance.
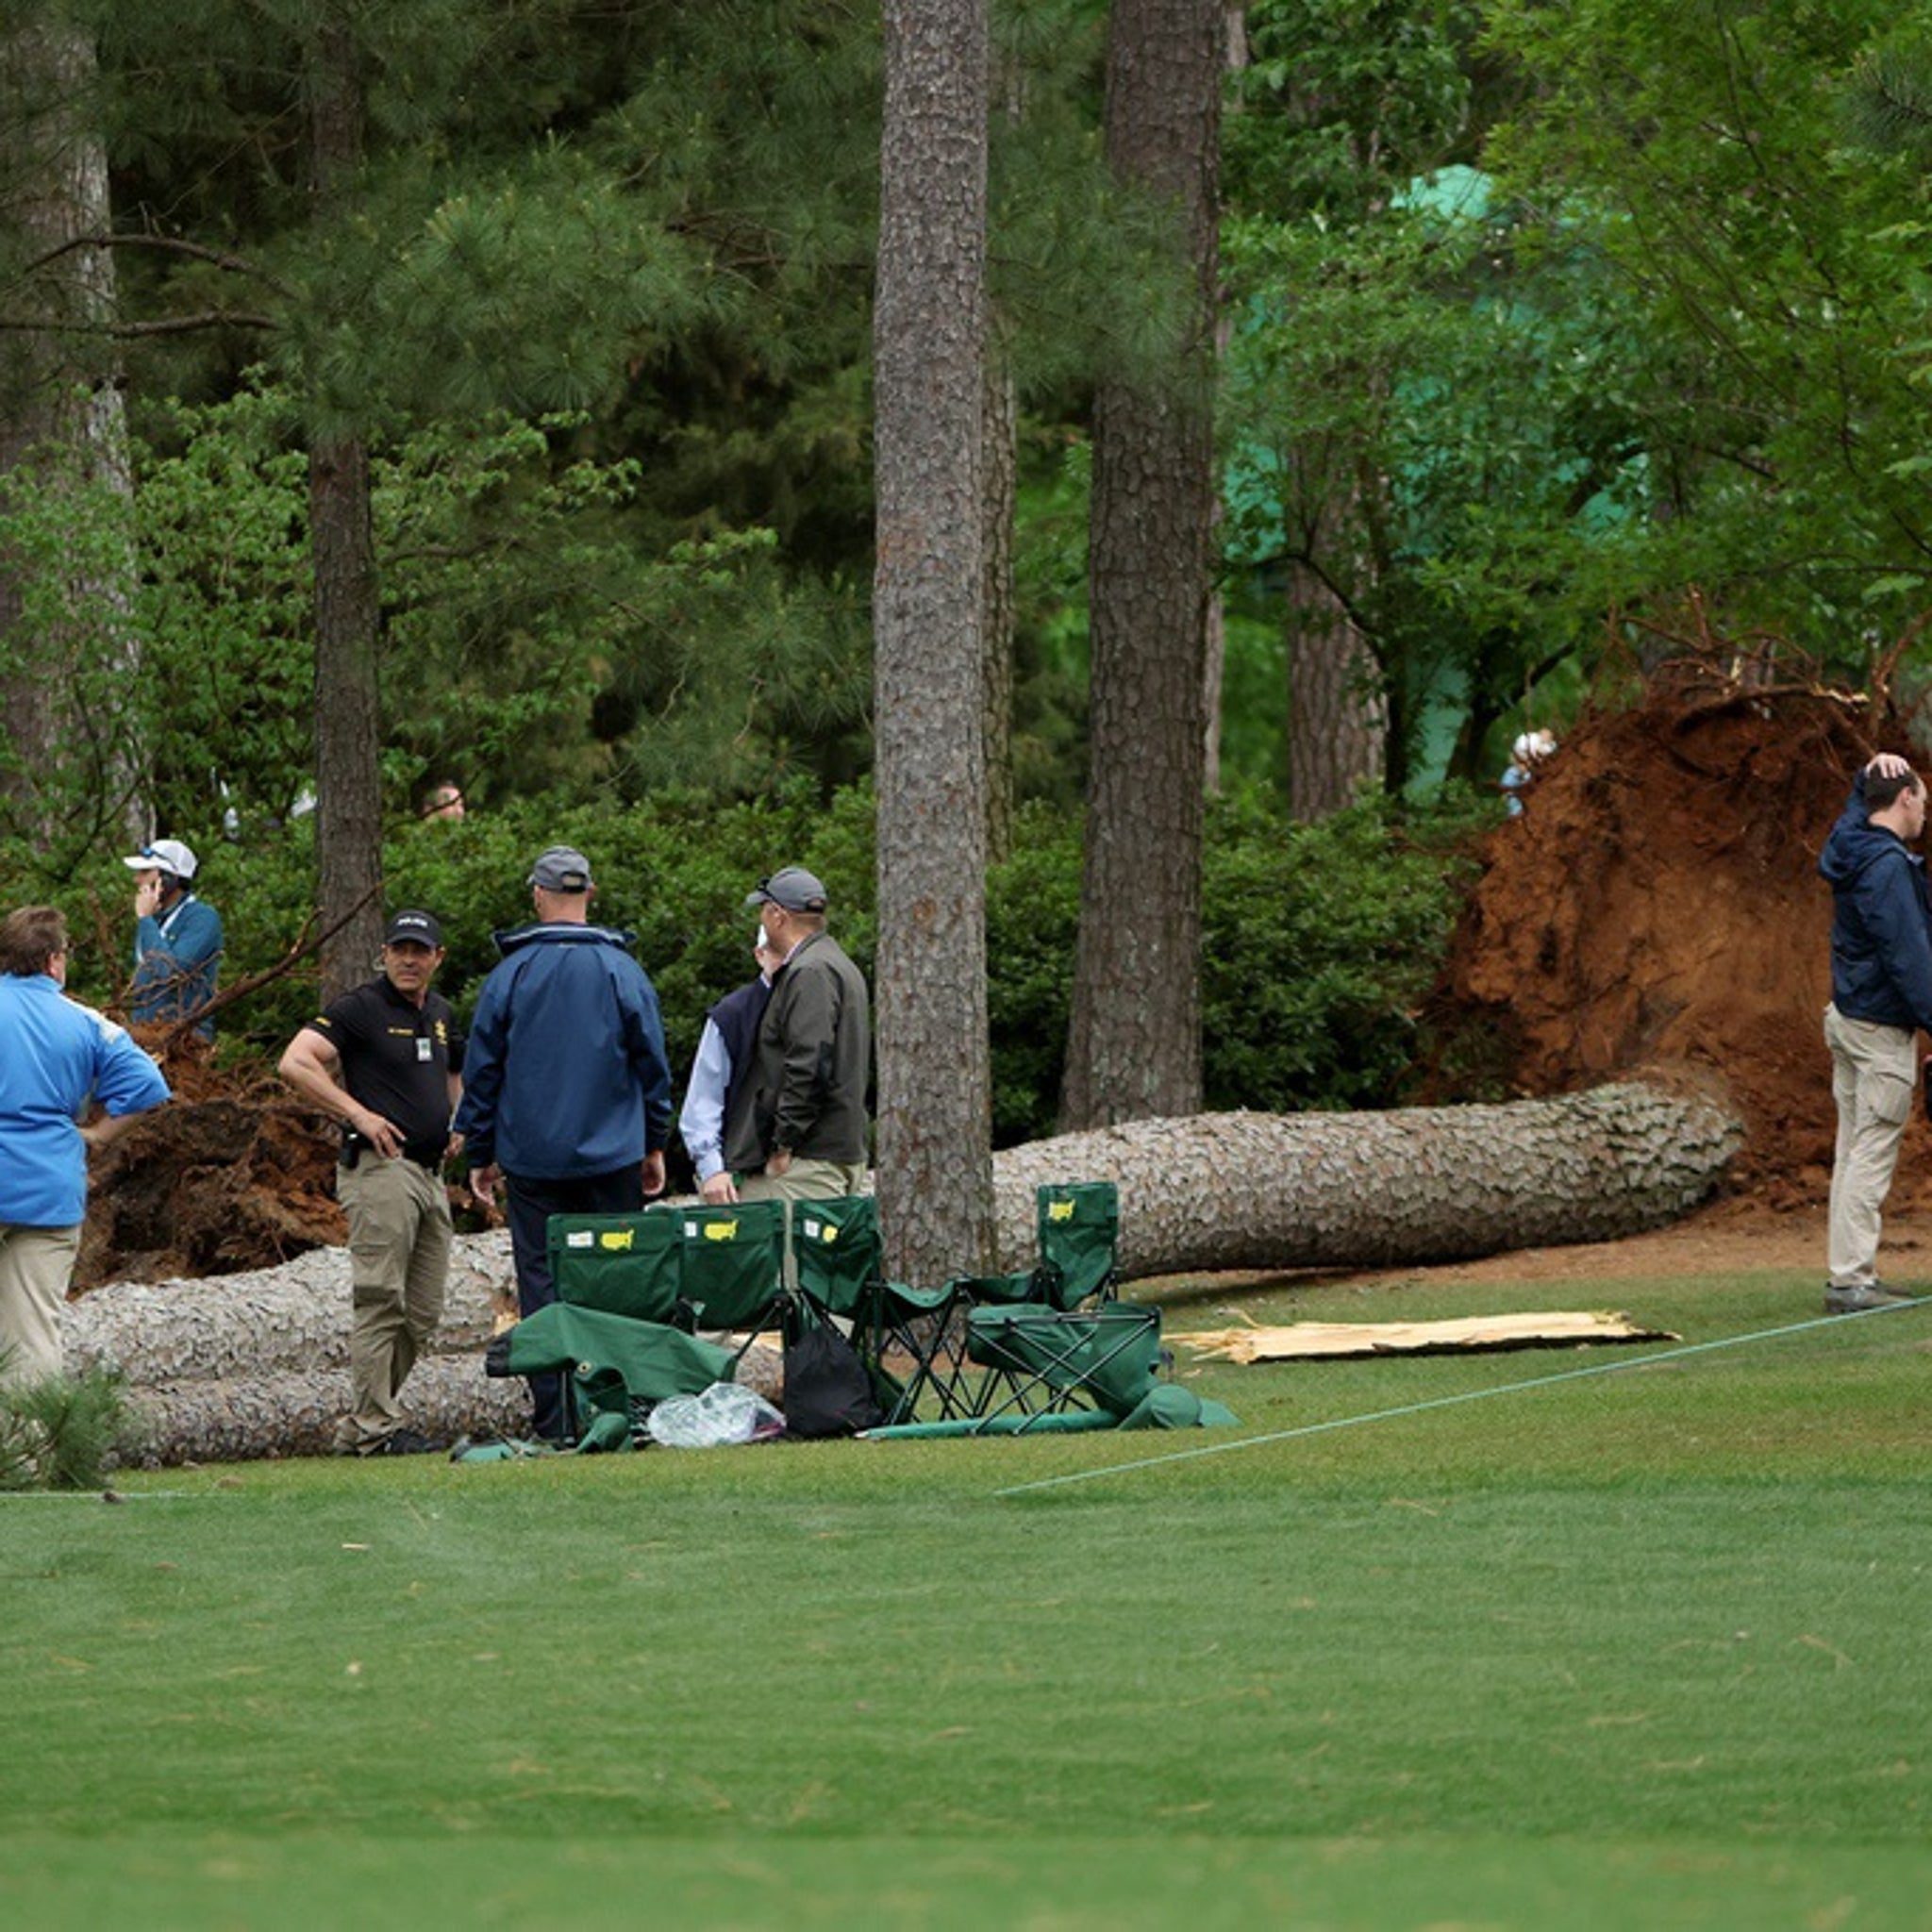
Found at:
(797, 1130)
(387, 1061)
(567, 1092)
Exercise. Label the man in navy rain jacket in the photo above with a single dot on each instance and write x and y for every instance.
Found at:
(1881, 995)
(567, 1090)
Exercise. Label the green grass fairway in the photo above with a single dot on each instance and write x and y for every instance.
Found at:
(1643, 1649)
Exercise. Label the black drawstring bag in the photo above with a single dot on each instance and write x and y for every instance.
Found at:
(828, 1391)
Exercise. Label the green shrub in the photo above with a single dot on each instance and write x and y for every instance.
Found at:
(1318, 940)
(62, 1433)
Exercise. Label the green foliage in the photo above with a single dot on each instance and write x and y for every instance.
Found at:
(1318, 940)
(1770, 295)
(1032, 930)
(63, 1433)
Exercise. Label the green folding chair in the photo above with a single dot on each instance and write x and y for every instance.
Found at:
(622, 1264)
(616, 1369)
(836, 1251)
(1040, 1361)
(731, 1266)
(901, 1333)
(1079, 1223)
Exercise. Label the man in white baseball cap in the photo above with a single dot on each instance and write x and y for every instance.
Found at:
(177, 938)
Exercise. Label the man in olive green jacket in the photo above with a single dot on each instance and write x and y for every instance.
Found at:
(797, 1127)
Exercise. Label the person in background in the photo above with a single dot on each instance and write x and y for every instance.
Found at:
(1881, 998)
(443, 800)
(385, 1059)
(1527, 756)
(796, 1128)
(177, 938)
(55, 1056)
(567, 1092)
(724, 1049)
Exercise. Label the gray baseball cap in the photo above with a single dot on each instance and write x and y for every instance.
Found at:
(561, 869)
(794, 889)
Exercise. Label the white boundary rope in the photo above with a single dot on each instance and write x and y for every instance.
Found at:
(1384, 1415)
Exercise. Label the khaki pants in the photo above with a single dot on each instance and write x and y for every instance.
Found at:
(804, 1181)
(36, 1265)
(399, 1241)
(1875, 1073)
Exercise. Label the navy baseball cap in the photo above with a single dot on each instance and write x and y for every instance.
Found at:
(421, 927)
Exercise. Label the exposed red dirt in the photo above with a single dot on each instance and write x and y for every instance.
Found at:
(1657, 907)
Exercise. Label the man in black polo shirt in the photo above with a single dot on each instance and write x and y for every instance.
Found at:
(387, 1061)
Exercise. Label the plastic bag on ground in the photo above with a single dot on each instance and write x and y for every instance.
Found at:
(723, 1413)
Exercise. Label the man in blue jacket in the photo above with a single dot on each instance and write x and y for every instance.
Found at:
(1881, 995)
(567, 1092)
(56, 1057)
(177, 938)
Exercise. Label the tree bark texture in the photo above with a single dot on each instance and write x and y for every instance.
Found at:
(1134, 1036)
(935, 1104)
(294, 1412)
(1368, 1190)
(293, 1319)
(1337, 720)
(999, 494)
(348, 609)
(60, 400)
(348, 711)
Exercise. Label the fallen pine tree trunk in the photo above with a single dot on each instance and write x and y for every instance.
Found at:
(290, 1318)
(294, 1412)
(225, 1358)
(1371, 1190)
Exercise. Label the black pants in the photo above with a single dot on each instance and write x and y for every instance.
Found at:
(531, 1203)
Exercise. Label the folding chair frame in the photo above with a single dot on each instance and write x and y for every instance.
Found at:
(1062, 1381)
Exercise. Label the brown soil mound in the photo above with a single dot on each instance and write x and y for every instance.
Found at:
(1657, 907)
(232, 1174)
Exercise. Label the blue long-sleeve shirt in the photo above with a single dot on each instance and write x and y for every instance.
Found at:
(565, 1074)
(55, 1056)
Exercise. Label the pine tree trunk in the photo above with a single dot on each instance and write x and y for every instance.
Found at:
(1338, 721)
(1134, 1036)
(935, 1106)
(1364, 1189)
(348, 711)
(999, 495)
(75, 767)
(293, 1319)
(348, 609)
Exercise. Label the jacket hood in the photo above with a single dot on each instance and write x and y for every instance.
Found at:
(1853, 845)
(567, 933)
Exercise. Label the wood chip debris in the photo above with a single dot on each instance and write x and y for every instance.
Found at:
(1339, 1340)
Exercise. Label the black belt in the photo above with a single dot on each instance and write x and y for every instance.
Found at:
(354, 1144)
